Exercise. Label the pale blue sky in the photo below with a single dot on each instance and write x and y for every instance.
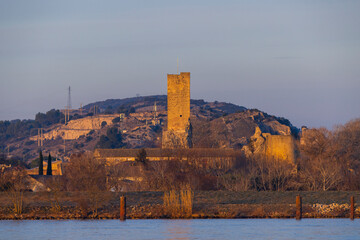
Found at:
(295, 59)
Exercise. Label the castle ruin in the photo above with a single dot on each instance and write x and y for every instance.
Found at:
(178, 133)
(278, 147)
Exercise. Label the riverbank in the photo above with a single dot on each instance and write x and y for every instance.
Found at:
(206, 204)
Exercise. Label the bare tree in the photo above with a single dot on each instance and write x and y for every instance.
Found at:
(281, 174)
(87, 174)
(15, 185)
(319, 163)
(116, 173)
(347, 150)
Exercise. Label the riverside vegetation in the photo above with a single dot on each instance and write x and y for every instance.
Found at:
(326, 172)
(202, 204)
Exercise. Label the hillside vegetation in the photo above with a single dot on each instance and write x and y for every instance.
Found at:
(215, 124)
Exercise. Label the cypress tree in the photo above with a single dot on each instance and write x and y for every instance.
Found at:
(49, 167)
(141, 156)
(41, 165)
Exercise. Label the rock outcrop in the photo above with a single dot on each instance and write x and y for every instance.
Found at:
(235, 130)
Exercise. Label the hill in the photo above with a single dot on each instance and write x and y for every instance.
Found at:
(146, 103)
(215, 124)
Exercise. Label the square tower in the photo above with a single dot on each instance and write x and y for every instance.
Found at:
(178, 132)
(178, 101)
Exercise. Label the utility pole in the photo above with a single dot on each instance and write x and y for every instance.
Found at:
(155, 108)
(68, 107)
(65, 111)
(69, 103)
(68, 114)
(69, 98)
(178, 65)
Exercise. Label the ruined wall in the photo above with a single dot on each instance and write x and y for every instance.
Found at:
(178, 111)
(280, 147)
(304, 131)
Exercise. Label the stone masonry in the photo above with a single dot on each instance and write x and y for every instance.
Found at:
(273, 147)
(178, 133)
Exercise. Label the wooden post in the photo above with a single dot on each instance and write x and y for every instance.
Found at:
(352, 208)
(298, 207)
(122, 208)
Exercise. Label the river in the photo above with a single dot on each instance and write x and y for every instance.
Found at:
(182, 229)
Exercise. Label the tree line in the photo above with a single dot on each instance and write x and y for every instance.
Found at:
(328, 160)
(25, 128)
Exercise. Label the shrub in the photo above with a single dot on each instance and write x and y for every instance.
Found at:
(116, 120)
(113, 139)
(78, 145)
(141, 156)
(29, 143)
(103, 124)
(88, 139)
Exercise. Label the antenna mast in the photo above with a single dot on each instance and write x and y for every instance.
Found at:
(177, 65)
(69, 99)
(69, 104)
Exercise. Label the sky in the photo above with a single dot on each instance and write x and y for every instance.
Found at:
(294, 59)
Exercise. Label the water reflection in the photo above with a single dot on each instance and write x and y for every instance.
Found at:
(182, 229)
(178, 229)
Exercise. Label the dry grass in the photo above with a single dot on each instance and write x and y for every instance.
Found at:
(174, 204)
(17, 199)
(178, 204)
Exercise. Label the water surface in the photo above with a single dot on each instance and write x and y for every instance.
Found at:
(182, 229)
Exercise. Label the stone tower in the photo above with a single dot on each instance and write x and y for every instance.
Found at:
(178, 133)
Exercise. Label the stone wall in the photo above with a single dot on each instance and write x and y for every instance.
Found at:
(280, 147)
(76, 128)
(56, 168)
(205, 157)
